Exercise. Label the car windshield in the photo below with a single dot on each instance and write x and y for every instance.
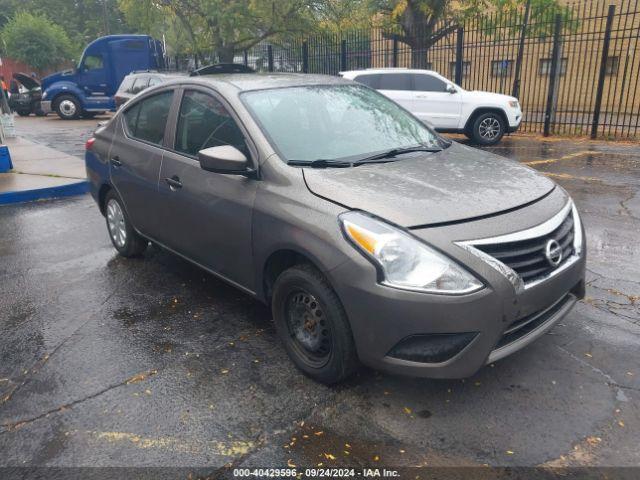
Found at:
(337, 122)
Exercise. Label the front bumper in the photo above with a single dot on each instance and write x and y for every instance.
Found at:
(382, 318)
(45, 106)
(515, 120)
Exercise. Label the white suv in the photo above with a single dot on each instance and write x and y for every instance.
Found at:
(483, 116)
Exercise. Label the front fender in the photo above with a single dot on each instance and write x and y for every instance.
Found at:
(63, 87)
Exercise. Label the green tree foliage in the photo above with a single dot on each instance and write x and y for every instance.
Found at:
(82, 20)
(222, 28)
(422, 23)
(34, 40)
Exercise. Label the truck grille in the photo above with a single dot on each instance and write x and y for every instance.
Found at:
(527, 257)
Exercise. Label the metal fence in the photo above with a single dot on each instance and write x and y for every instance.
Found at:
(576, 71)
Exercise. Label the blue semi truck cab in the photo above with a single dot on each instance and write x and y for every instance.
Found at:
(89, 88)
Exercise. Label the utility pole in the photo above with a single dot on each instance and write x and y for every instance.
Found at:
(105, 16)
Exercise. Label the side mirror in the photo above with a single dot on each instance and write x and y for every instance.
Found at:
(451, 88)
(223, 159)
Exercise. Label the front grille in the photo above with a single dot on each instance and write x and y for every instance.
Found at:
(522, 326)
(527, 257)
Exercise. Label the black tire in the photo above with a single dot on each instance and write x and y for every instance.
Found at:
(488, 128)
(88, 115)
(68, 107)
(40, 113)
(302, 293)
(130, 244)
(24, 113)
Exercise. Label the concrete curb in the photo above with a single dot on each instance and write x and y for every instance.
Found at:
(22, 196)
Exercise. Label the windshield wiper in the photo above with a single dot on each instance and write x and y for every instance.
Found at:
(394, 152)
(319, 163)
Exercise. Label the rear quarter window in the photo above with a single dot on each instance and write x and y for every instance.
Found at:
(147, 119)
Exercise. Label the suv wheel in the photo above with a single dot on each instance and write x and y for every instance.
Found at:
(67, 107)
(124, 238)
(488, 129)
(313, 325)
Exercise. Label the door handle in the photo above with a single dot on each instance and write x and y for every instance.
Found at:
(174, 183)
(422, 96)
(115, 161)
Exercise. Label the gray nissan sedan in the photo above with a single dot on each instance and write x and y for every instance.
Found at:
(373, 239)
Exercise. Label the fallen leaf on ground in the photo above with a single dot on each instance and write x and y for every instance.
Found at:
(407, 410)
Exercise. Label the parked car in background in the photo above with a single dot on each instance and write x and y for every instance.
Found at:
(372, 238)
(484, 117)
(25, 94)
(138, 81)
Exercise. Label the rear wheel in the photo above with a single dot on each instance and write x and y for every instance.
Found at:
(313, 326)
(488, 129)
(68, 107)
(123, 237)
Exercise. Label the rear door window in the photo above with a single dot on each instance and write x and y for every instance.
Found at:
(395, 81)
(428, 83)
(370, 80)
(147, 119)
(205, 122)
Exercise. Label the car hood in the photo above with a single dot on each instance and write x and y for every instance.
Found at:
(27, 81)
(456, 184)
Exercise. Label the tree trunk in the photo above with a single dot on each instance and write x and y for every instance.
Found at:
(226, 54)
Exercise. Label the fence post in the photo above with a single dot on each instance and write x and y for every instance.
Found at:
(459, 56)
(515, 91)
(603, 71)
(270, 57)
(305, 57)
(553, 77)
(394, 59)
(245, 58)
(343, 55)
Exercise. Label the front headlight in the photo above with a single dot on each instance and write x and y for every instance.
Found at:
(403, 261)
(514, 104)
(577, 230)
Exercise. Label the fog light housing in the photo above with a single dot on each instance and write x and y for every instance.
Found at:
(431, 348)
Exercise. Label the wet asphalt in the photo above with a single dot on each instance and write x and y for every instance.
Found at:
(106, 361)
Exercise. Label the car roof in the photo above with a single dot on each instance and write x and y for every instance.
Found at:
(388, 70)
(155, 73)
(260, 81)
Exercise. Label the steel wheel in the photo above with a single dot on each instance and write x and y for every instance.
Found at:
(68, 108)
(116, 223)
(490, 128)
(309, 332)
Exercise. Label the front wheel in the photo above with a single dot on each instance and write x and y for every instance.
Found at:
(68, 107)
(488, 129)
(313, 326)
(123, 237)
